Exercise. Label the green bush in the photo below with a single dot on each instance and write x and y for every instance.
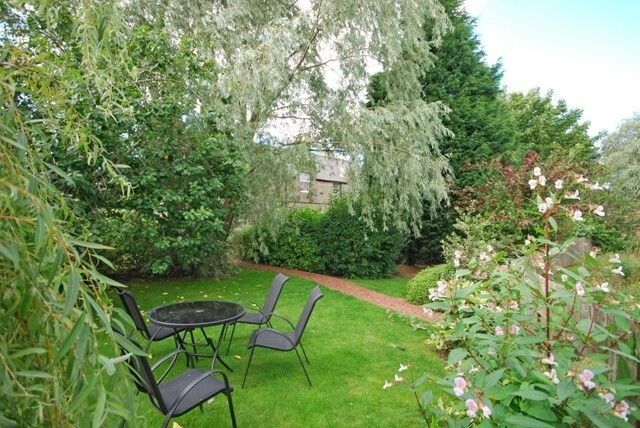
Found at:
(602, 235)
(334, 242)
(418, 287)
(351, 249)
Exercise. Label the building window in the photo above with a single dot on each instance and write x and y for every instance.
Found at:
(305, 179)
(336, 189)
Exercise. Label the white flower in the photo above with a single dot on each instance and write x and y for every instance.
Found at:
(615, 259)
(537, 171)
(499, 331)
(387, 385)
(585, 380)
(579, 289)
(599, 211)
(621, 410)
(549, 201)
(460, 386)
(490, 248)
(529, 240)
(403, 368)
(618, 271)
(550, 360)
(542, 180)
(574, 195)
(593, 254)
(438, 293)
(542, 207)
(398, 378)
(608, 398)
(558, 184)
(472, 407)
(428, 312)
(604, 287)
(498, 309)
(577, 215)
(596, 186)
(514, 329)
(564, 277)
(513, 305)
(533, 184)
(484, 257)
(582, 179)
(457, 254)
(551, 374)
(486, 412)
(456, 262)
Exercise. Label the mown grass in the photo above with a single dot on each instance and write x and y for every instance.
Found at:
(353, 347)
(396, 287)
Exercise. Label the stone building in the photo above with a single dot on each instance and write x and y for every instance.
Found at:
(329, 180)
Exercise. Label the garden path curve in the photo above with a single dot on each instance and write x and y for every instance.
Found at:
(347, 287)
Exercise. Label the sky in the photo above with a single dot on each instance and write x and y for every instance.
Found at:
(586, 51)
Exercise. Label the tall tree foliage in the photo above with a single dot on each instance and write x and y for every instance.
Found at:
(54, 311)
(621, 154)
(482, 126)
(308, 64)
(550, 128)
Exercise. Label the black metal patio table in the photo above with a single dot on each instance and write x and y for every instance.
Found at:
(199, 314)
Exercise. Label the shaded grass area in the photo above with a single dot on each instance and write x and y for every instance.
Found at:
(353, 347)
(396, 287)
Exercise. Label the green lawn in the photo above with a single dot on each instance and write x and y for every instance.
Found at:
(353, 347)
(390, 286)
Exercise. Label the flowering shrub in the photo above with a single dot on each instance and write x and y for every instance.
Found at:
(532, 342)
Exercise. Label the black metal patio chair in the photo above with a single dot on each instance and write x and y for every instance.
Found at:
(153, 332)
(274, 339)
(182, 393)
(263, 313)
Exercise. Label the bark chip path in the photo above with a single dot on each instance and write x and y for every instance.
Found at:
(347, 287)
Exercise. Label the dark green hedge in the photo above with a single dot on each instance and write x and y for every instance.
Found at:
(332, 242)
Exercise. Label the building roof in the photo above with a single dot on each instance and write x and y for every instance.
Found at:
(332, 169)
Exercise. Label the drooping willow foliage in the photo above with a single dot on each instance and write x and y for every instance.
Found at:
(58, 361)
(66, 80)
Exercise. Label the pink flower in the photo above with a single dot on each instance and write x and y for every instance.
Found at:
(550, 360)
(574, 195)
(551, 374)
(514, 329)
(542, 180)
(618, 271)
(577, 215)
(585, 379)
(558, 184)
(621, 410)
(513, 305)
(542, 207)
(608, 398)
(533, 184)
(599, 211)
(472, 407)
(484, 257)
(499, 331)
(579, 289)
(461, 386)
(537, 171)
(428, 312)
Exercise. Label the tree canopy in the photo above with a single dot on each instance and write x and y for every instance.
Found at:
(550, 128)
(621, 154)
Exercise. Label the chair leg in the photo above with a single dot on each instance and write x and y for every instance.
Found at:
(167, 419)
(304, 353)
(193, 344)
(233, 414)
(233, 330)
(303, 368)
(248, 364)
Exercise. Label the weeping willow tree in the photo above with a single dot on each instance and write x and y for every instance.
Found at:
(58, 360)
(305, 66)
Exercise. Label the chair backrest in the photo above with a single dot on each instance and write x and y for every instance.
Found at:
(314, 296)
(274, 293)
(143, 376)
(132, 308)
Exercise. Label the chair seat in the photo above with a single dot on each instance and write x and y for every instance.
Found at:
(272, 339)
(253, 318)
(157, 332)
(206, 389)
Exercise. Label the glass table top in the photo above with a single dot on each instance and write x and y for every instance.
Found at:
(196, 314)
